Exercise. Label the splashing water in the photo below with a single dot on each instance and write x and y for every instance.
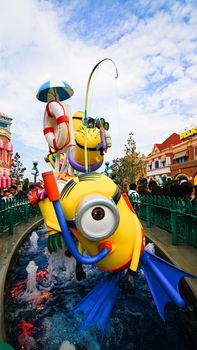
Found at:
(67, 346)
(34, 241)
(31, 279)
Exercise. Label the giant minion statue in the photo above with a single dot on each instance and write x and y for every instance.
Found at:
(91, 208)
(89, 213)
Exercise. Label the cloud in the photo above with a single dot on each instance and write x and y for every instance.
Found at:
(153, 44)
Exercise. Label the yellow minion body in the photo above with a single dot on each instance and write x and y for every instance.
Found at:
(93, 140)
(93, 205)
(77, 120)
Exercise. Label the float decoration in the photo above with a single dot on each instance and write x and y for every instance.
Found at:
(54, 90)
(86, 107)
(91, 208)
(57, 123)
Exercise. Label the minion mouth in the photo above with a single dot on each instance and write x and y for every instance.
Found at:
(88, 148)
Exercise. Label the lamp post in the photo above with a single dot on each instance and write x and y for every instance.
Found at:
(35, 171)
(108, 169)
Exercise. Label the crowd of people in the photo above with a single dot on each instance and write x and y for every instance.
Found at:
(182, 189)
(11, 192)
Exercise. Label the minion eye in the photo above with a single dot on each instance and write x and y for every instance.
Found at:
(97, 217)
(98, 213)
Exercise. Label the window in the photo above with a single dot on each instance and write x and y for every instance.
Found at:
(181, 160)
(156, 164)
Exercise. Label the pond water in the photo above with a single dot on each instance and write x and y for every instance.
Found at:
(37, 311)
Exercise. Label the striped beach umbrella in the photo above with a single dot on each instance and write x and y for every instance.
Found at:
(54, 90)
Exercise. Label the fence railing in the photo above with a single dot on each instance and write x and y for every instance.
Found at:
(175, 216)
(14, 212)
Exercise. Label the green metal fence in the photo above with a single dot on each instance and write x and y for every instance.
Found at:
(14, 212)
(174, 216)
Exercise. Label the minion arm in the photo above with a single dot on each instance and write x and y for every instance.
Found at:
(136, 252)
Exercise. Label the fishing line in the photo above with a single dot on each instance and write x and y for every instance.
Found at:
(86, 106)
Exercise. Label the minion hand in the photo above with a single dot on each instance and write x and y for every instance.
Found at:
(80, 273)
(127, 283)
(42, 194)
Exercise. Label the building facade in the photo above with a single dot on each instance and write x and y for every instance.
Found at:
(6, 150)
(175, 157)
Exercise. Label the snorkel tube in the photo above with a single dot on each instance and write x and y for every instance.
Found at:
(54, 196)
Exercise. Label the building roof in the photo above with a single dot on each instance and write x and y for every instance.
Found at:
(172, 140)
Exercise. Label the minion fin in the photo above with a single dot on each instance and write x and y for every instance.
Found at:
(163, 280)
(98, 304)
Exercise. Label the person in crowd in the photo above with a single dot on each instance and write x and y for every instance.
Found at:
(151, 184)
(187, 190)
(167, 188)
(176, 190)
(132, 189)
(32, 196)
(194, 200)
(182, 179)
(36, 193)
(6, 194)
(133, 192)
(13, 191)
(143, 186)
(157, 190)
(194, 196)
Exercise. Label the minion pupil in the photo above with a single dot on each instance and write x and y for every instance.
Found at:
(98, 213)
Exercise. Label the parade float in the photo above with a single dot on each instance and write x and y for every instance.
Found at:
(91, 214)
(90, 220)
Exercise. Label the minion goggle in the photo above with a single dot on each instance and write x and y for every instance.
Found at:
(97, 217)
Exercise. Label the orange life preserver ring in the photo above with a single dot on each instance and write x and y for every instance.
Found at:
(56, 125)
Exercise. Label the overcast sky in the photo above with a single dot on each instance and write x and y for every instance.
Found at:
(153, 44)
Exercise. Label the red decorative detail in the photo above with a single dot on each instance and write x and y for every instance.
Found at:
(47, 130)
(128, 202)
(55, 145)
(62, 119)
(131, 208)
(26, 328)
(40, 275)
(106, 244)
(5, 181)
(9, 147)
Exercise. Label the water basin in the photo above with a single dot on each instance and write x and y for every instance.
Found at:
(40, 317)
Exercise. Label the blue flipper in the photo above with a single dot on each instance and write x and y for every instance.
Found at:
(163, 280)
(98, 304)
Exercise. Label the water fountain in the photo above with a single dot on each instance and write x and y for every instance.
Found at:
(46, 312)
(66, 345)
(31, 279)
(34, 241)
